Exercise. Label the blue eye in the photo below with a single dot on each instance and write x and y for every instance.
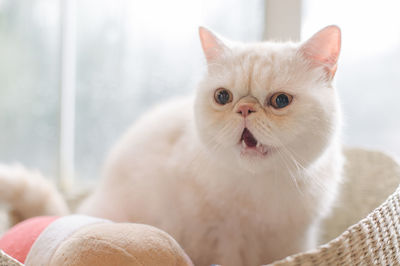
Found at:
(223, 96)
(280, 100)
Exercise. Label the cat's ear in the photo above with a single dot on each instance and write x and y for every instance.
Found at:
(213, 46)
(323, 49)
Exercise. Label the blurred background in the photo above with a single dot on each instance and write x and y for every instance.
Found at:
(75, 74)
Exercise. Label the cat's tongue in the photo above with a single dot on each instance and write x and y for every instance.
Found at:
(248, 138)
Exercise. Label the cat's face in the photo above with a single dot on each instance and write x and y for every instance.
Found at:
(268, 104)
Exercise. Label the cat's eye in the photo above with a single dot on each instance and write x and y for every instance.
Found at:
(280, 100)
(223, 96)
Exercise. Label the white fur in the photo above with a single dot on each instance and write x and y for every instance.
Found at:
(179, 167)
(29, 194)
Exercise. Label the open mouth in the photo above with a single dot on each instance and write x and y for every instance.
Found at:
(250, 143)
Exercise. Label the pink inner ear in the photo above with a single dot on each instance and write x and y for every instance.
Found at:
(212, 46)
(324, 48)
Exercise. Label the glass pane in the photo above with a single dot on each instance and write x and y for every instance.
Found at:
(133, 54)
(368, 76)
(29, 35)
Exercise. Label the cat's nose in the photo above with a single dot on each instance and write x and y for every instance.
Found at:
(245, 110)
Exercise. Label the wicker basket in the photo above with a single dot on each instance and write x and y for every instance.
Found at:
(375, 240)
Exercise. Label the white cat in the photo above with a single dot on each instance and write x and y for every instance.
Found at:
(242, 173)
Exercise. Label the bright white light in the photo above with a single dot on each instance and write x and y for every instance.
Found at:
(168, 20)
(367, 26)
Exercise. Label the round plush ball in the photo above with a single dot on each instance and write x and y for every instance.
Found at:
(120, 244)
(17, 241)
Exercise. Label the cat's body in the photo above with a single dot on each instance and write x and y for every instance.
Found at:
(218, 214)
(189, 168)
(240, 174)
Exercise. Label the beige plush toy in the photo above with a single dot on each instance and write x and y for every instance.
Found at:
(82, 240)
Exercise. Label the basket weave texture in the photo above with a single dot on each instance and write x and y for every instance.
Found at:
(374, 240)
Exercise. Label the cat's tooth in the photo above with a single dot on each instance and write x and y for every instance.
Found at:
(243, 144)
(258, 144)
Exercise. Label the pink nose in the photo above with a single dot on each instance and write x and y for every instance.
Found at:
(245, 110)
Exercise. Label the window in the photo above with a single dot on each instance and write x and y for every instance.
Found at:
(129, 55)
(29, 83)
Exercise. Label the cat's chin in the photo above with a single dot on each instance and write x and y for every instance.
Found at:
(255, 160)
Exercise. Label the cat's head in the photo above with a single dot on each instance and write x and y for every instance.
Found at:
(263, 104)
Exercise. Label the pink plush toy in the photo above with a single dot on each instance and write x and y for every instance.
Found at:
(82, 240)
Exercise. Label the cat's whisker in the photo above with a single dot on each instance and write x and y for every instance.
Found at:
(305, 174)
(290, 156)
(215, 142)
(292, 176)
(302, 173)
(267, 132)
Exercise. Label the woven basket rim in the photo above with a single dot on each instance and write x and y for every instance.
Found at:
(312, 255)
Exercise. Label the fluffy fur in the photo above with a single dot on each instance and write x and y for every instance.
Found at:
(29, 194)
(182, 166)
